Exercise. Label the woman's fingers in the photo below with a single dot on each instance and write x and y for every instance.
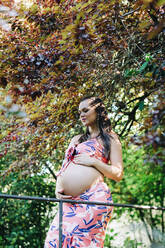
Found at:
(84, 159)
(62, 196)
(66, 196)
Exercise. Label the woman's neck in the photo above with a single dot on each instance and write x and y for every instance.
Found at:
(94, 131)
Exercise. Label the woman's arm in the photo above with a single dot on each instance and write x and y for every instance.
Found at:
(115, 169)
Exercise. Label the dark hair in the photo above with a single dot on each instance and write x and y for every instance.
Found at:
(104, 124)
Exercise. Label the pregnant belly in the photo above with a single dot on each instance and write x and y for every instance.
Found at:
(78, 178)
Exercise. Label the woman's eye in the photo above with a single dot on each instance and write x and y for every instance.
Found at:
(83, 111)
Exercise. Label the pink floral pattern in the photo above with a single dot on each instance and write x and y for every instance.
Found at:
(84, 225)
(92, 147)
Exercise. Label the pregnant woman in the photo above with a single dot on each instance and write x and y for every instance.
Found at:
(89, 158)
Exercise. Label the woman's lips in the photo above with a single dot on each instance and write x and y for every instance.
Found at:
(83, 119)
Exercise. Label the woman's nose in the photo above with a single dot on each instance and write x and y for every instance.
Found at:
(82, 115)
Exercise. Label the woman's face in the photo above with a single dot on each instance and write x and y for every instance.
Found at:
(87, 112)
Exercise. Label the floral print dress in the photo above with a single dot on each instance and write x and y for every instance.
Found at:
(83, 225)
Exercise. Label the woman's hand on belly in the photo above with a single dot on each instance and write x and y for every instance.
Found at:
(85, 159)
(60, 191)
(60, 195)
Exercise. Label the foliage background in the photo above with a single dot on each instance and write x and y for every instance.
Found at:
(53, 53)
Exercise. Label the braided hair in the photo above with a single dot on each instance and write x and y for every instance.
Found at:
(103, 122)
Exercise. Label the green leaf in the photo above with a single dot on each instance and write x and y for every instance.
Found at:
(148, 57)
(141, 105)
(143, 67)
(160, 2)
(130, 72)
(34, 9)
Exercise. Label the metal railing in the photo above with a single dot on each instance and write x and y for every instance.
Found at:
(5, 196)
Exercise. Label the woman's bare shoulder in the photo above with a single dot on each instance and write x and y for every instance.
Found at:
(75, 139)
(114, 136)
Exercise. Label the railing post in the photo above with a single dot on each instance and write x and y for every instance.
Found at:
(60, 223)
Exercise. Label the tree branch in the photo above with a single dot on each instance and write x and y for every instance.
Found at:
(132, 114)
(145, 224)
(51, 171)
(129, 13)
(131, 119)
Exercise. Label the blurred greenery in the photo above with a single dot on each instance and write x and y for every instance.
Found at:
(24, 223)
(53, 53)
